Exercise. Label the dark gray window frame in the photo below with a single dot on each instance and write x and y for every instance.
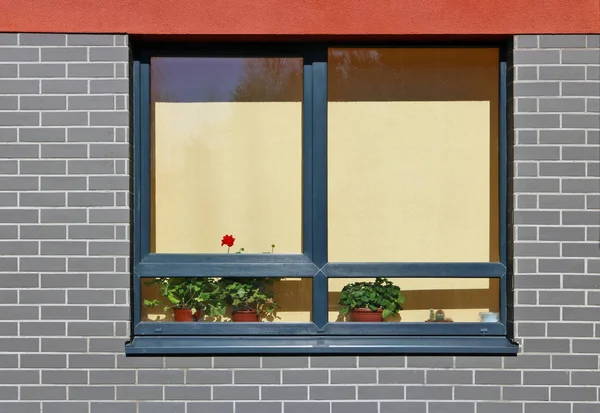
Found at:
(319, 336)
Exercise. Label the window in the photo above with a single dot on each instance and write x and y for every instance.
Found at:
(271, 179)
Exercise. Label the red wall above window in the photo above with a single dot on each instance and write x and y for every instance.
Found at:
(325, 17)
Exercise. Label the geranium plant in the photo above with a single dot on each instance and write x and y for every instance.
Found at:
(247, 295)
(191, 294)
(380, 295)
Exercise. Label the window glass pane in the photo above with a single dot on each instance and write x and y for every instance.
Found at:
(214, 299)
(413, 155)
(460, 299)
(226, 154)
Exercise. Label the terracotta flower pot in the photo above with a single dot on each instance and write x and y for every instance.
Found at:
(183, 314)
(365, 315)
(245, 316)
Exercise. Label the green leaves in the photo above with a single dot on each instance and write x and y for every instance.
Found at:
(249, 294)
(381, 293)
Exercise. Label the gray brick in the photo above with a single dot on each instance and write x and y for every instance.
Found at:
(527, 169)
(90, 199)
(449, 377)
(161, 407)
(12, 407)
(18, 248)
(91, 232)
(8, 231)
(86, 167)
(434, 362)
(504, 407)
(113, 118)
(18, 345)
(110, 281)
(527, 137)
(64, 345)
(561, 265)
(581, 314)
(580, 250)
(110, 248)
(91, 134)
(580, 57)
(587, 346)
(527, 105)
(40, 167)
(562, 234)
(9, 39)
(284, 393)
(8, 264)
(380, 392)
(19, 54)
(585, 407)
(63, 215)
(90, 70)
(43, 103)
(18, 183)
(109, 183)
(428, 393)
(581, 89)
(90, 329)
(115, 150)
(284, 362)
(586, 378)
(9, 167)
(562, 170)
(59, 86)
(41, 70)
(91, 361)
(593, 169)
(584, 153)
(43, 361)
(112, 313)
(562, 297)
(563, 41)
(42, 135)
(8, 70)
(305, 377)
(257, 377)
(187, 362)
(353, 376)
(550, 345)
(109, 54)
(64, 150)
(42, 297)
(42, 264)
(113, 407)
(209, 377)
(537, 313)
(19, 280)
(8, 87)
(19, 119)
(8, 297)
(19, 377)
(561, 202)
(332, 392)
(19, 313)
(45, 199)
(540, 120)
(18, 216)
(525, 393)
(303, 407)
(19, 150)
(261, 407)
(536, 185)
(451, 407)
(477, 393)
(9, 102)
(212, 407)
(139, 393)
(9, 361)
(525, 89)
(89, 296)
(91, 393)
(91, 103)
(106, 345)
(109, 86)
(545, 377)
(581, 121)
(580, 217)
(562, 137)
(584, 185)
(8, 328)
(353, 407)
(160, 377)
(187, 393)
(562, 72)
(531, 329)
(70, 312)
(497, 377)
(116, 216)
(573, 394)
(63, 280)
(475, 362)
(64, 118)
(593, 297)
(89, 40)
(235, 393)
(43, 328)
(536, 249)
(537, 153)
(9, 393)
(593, 73)
(38, 232)
(64, 54)
(583, 281)
(536, 57)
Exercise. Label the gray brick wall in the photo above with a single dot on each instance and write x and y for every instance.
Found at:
(64, 220)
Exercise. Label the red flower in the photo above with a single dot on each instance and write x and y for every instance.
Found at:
(228, 240)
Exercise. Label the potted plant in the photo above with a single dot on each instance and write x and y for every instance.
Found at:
(249, 298)
(188, 296)
(371, 301)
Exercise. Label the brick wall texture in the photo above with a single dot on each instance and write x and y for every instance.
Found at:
(64, 256)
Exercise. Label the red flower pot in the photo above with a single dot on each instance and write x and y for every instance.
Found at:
(366, 315)
(245, 316)
(183, 314)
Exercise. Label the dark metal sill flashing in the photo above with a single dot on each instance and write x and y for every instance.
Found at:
(295, 345)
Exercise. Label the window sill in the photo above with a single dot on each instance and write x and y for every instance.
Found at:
(177, 345)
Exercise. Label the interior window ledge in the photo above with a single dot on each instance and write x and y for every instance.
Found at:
(180, 345)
